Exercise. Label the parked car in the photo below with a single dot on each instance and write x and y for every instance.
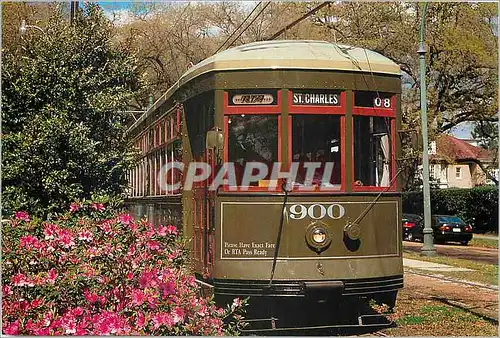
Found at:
(410, 226)
(446, 228)
(450, 229)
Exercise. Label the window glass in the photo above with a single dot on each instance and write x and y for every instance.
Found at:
(372, 151)
(316, 138)
(458, 172)
(252, 138)
(200, 112)
(450, 219)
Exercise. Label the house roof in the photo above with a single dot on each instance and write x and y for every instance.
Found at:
(454, 149)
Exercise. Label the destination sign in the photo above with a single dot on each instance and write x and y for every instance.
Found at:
(316, 98)
(252, 97)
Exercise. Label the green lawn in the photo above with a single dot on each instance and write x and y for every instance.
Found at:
(484, 243)
(483, 273)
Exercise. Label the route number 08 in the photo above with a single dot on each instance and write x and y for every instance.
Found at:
(316, 211)
(379, 102)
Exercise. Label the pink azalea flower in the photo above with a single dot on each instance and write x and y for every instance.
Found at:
(133, 227)
(202, 311)
(97, 206)
(236, 303)
(19, 279)
(29, 242)
(73, 207)
(36, 303)
(146, 279)
(44, 331)
(85, 235)
(6, 290)
(137, 297)
(141, 320)
(129, 275)
(178, 315)
(22, 215)
(90, 297)
(12, 328)
(125, 219)
(167, 288)
(162, 230)
(51, 276)
(66, 239)
(50, 230)
(160, 319)
(153, 245)
(77, 311)
(172, 230)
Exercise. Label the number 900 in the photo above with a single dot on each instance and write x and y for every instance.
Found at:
(316, 211)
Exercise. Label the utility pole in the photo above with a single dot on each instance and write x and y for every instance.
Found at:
(428, 249)
(72, 10)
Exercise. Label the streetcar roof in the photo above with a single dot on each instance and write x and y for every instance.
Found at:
(294, 54)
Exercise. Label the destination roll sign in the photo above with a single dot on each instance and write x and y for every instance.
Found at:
(310, 98)
(252, 97)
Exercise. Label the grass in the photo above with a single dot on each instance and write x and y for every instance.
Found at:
(417, 316)
(482, 272)
(484, 243)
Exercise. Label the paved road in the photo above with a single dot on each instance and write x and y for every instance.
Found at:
(484, 255)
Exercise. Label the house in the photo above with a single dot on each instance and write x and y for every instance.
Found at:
(456, 163)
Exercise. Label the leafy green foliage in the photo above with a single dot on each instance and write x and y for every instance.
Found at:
(477, 206)
(487, 134)
(62, 115)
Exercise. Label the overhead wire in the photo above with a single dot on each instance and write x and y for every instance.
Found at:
(290, 25)
(237, 28)
(251, 22)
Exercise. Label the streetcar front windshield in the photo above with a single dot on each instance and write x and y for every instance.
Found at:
(316, 138)
(252, 138)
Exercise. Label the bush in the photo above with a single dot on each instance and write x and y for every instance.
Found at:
(96, 272)
(64, 102)
(477, 206)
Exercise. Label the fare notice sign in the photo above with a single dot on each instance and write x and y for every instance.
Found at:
(316, 98)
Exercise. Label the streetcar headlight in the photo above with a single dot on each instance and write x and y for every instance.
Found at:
(319, 236)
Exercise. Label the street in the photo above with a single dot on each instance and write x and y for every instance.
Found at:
(484, 255)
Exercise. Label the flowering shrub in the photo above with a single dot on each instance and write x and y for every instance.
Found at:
(96, 272)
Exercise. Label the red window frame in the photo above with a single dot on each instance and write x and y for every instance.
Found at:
(274, 109)
(376, 112)
(320, 110)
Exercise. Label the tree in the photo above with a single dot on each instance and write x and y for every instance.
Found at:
(62, 116)
(487, 134)
(462, 74)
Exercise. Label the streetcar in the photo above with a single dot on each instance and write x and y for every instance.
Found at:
(293, 199)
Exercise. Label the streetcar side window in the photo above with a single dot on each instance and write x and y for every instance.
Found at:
(252, 138)
(200, 112)
(372, 151)
(316, 138)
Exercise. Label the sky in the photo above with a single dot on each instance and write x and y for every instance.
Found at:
(118, 11)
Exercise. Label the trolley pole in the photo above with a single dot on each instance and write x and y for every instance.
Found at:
(428, 249)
